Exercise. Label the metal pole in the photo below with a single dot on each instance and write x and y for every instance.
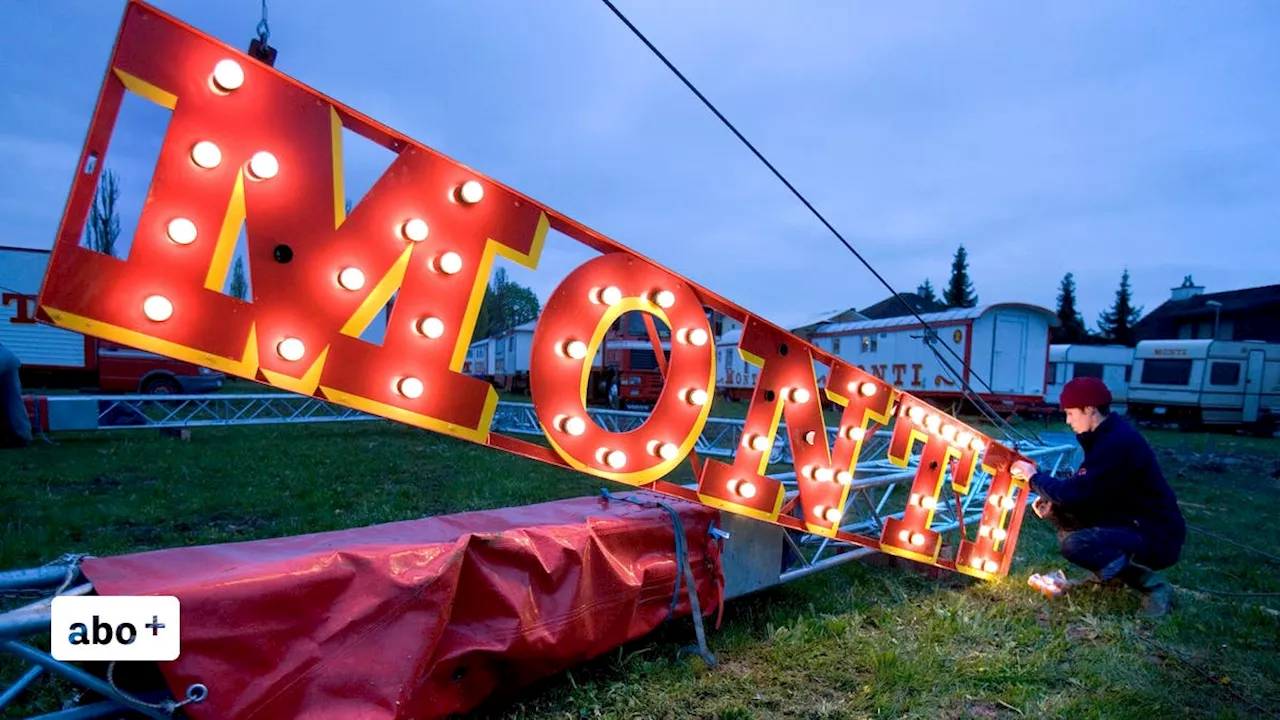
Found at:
(78, 676)
(843, 558)
(34, 618)
(16, 689)
(33, 578)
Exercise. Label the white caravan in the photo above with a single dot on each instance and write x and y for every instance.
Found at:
(1196, 383)
(1112, 364)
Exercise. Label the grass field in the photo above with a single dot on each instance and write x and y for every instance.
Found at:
(863, 640)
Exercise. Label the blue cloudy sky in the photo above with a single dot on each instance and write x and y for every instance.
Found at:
(1047, 137)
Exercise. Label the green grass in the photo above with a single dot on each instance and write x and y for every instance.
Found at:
(877, 639)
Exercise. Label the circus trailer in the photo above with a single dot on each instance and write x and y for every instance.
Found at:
(1001, 351)
(1207, 383)
(736, 377)
(1112, 364)
(479, 361)
(508, 362)
(54, 357)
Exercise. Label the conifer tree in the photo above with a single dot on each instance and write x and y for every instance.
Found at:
(926, 292)
(959, 292)
(1071, 328)
(1116, 325)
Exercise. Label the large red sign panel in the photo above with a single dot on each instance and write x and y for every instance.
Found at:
(249, 147)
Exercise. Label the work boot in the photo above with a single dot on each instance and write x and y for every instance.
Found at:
(1157, 593)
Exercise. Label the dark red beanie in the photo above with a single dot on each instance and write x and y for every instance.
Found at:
(1085, 392)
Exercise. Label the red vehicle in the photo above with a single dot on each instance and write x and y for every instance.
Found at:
(627, 369)
(99, 365)
(56, 358)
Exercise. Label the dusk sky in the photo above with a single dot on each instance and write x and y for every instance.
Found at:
(1046, 137)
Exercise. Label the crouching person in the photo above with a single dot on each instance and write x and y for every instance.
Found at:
(1117, 516)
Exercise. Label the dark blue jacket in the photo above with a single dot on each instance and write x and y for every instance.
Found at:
(1119, 484)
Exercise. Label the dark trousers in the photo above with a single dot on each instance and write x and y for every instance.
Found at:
(1106, 551)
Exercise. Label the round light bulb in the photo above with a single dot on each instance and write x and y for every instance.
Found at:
(449, 263)
(698, 337)
(917, 539)
(611, 295)
(844, 477)
(868, 389)
(855, 433)
(664, 299)
(291, 349)
(799, 395)
(963, 439)
(976, 563)
(904, 536)
(977, 445)
(415, 230)
(810, 437)
(351, 278)
(999, 534)
(668, 451)
(615, 459)
(991, 566)
(471, 192)
(182, 231)
(431, 327)
(759, 443)
(1008, 503)
(916, 414)
(824, 474)
(410, 387)
(206, 154)
(571, 425)
(697, 396)
(928, 502)
(932, 422)
(263, 165)
(742, 487)
(575, 349)
(949, 433)
(157, 308)
(832, 515)
(228, 75)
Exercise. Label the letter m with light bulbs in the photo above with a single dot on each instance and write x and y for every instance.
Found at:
(249, 147)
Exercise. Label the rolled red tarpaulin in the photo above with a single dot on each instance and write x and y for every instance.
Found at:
(416, 619)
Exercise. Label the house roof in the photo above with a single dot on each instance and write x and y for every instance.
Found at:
(848, 314)
(892, 307)
(1233, 301)
(936, 318)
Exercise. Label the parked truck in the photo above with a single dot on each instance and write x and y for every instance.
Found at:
(56, 358)
(624, 371)
(1198, 384)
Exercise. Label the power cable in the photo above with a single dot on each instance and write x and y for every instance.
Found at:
(1240, 545)
(981, 404)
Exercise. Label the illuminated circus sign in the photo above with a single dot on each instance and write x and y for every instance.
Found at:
(248, 146)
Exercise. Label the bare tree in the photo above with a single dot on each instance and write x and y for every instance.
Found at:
(104, 221)
(239, 282)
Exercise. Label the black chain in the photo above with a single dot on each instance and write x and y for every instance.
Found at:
(264, 30)
(260, 47)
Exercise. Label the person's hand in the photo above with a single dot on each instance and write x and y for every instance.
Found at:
(1042, 507)
(1022, 469)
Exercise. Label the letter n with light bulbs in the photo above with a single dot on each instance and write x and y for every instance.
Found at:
(249, 147)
